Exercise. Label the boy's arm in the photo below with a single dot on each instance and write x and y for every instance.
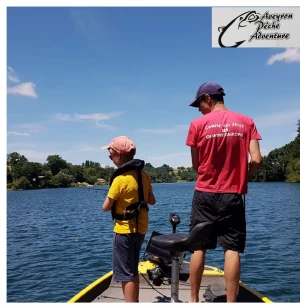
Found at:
(112, 195)
(151, 198)
(107, 204)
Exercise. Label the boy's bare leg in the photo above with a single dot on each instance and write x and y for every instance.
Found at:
(131, 290)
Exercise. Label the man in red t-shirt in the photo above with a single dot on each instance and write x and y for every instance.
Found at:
(221, 142)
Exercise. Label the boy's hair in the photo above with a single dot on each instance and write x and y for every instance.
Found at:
(130, 155)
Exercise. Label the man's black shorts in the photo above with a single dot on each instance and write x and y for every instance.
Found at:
(227, 212)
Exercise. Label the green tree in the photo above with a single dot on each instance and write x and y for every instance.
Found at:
(90, 175)
(22, 183)
(61, 180)
(14, 158)
(148, 166)
(32, 171)
(276, 163)
(293, 171)
(281, 164)
(56, 163)
(9, 175)
(78, 173)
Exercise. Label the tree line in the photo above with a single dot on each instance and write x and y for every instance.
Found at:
(281, 165)
(58, 173)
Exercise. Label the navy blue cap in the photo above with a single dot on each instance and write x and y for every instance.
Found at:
(210, 88)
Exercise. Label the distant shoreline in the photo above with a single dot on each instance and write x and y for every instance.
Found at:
(82, 185)
(90, 186)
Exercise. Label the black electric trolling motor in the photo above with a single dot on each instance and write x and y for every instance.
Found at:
(174, 219)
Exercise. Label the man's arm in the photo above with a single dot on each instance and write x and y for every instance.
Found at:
(256, 158)
(195, 161)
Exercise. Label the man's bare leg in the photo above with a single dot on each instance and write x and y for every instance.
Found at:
(232, 270)
(196, 271)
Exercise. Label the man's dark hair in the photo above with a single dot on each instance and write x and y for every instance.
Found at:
(217, 98)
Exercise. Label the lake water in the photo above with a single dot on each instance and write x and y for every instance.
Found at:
(59, 240)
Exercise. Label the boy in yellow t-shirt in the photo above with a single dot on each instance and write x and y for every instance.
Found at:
(129, 206)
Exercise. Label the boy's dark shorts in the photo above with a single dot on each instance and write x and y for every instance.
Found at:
(227, 212)
(126, 254)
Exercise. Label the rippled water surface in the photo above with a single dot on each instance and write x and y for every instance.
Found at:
(60, 240)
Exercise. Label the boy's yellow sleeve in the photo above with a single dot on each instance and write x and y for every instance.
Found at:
(115, 189)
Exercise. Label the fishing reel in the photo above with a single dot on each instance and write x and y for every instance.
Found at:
(163, 270)
(156, 276)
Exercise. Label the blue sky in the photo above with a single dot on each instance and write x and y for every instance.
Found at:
(78, 77)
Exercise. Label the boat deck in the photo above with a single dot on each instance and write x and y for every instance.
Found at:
(212, 288)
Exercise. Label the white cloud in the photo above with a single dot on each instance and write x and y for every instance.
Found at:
(168, 156)
(84, 148)
(97, 116)
(85, 22)
(174, 160)
(75, 117)
(87, 149)
(288, 56)
(171, 130)
(102, 125)
(11, 75)
(34, 156)
(278, 119)
(32, 127)
(28, 128)
(20, 144)
(64, 117)
(18, 134)
(25, 89)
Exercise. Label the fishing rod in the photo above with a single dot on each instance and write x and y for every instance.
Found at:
(92, 188)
